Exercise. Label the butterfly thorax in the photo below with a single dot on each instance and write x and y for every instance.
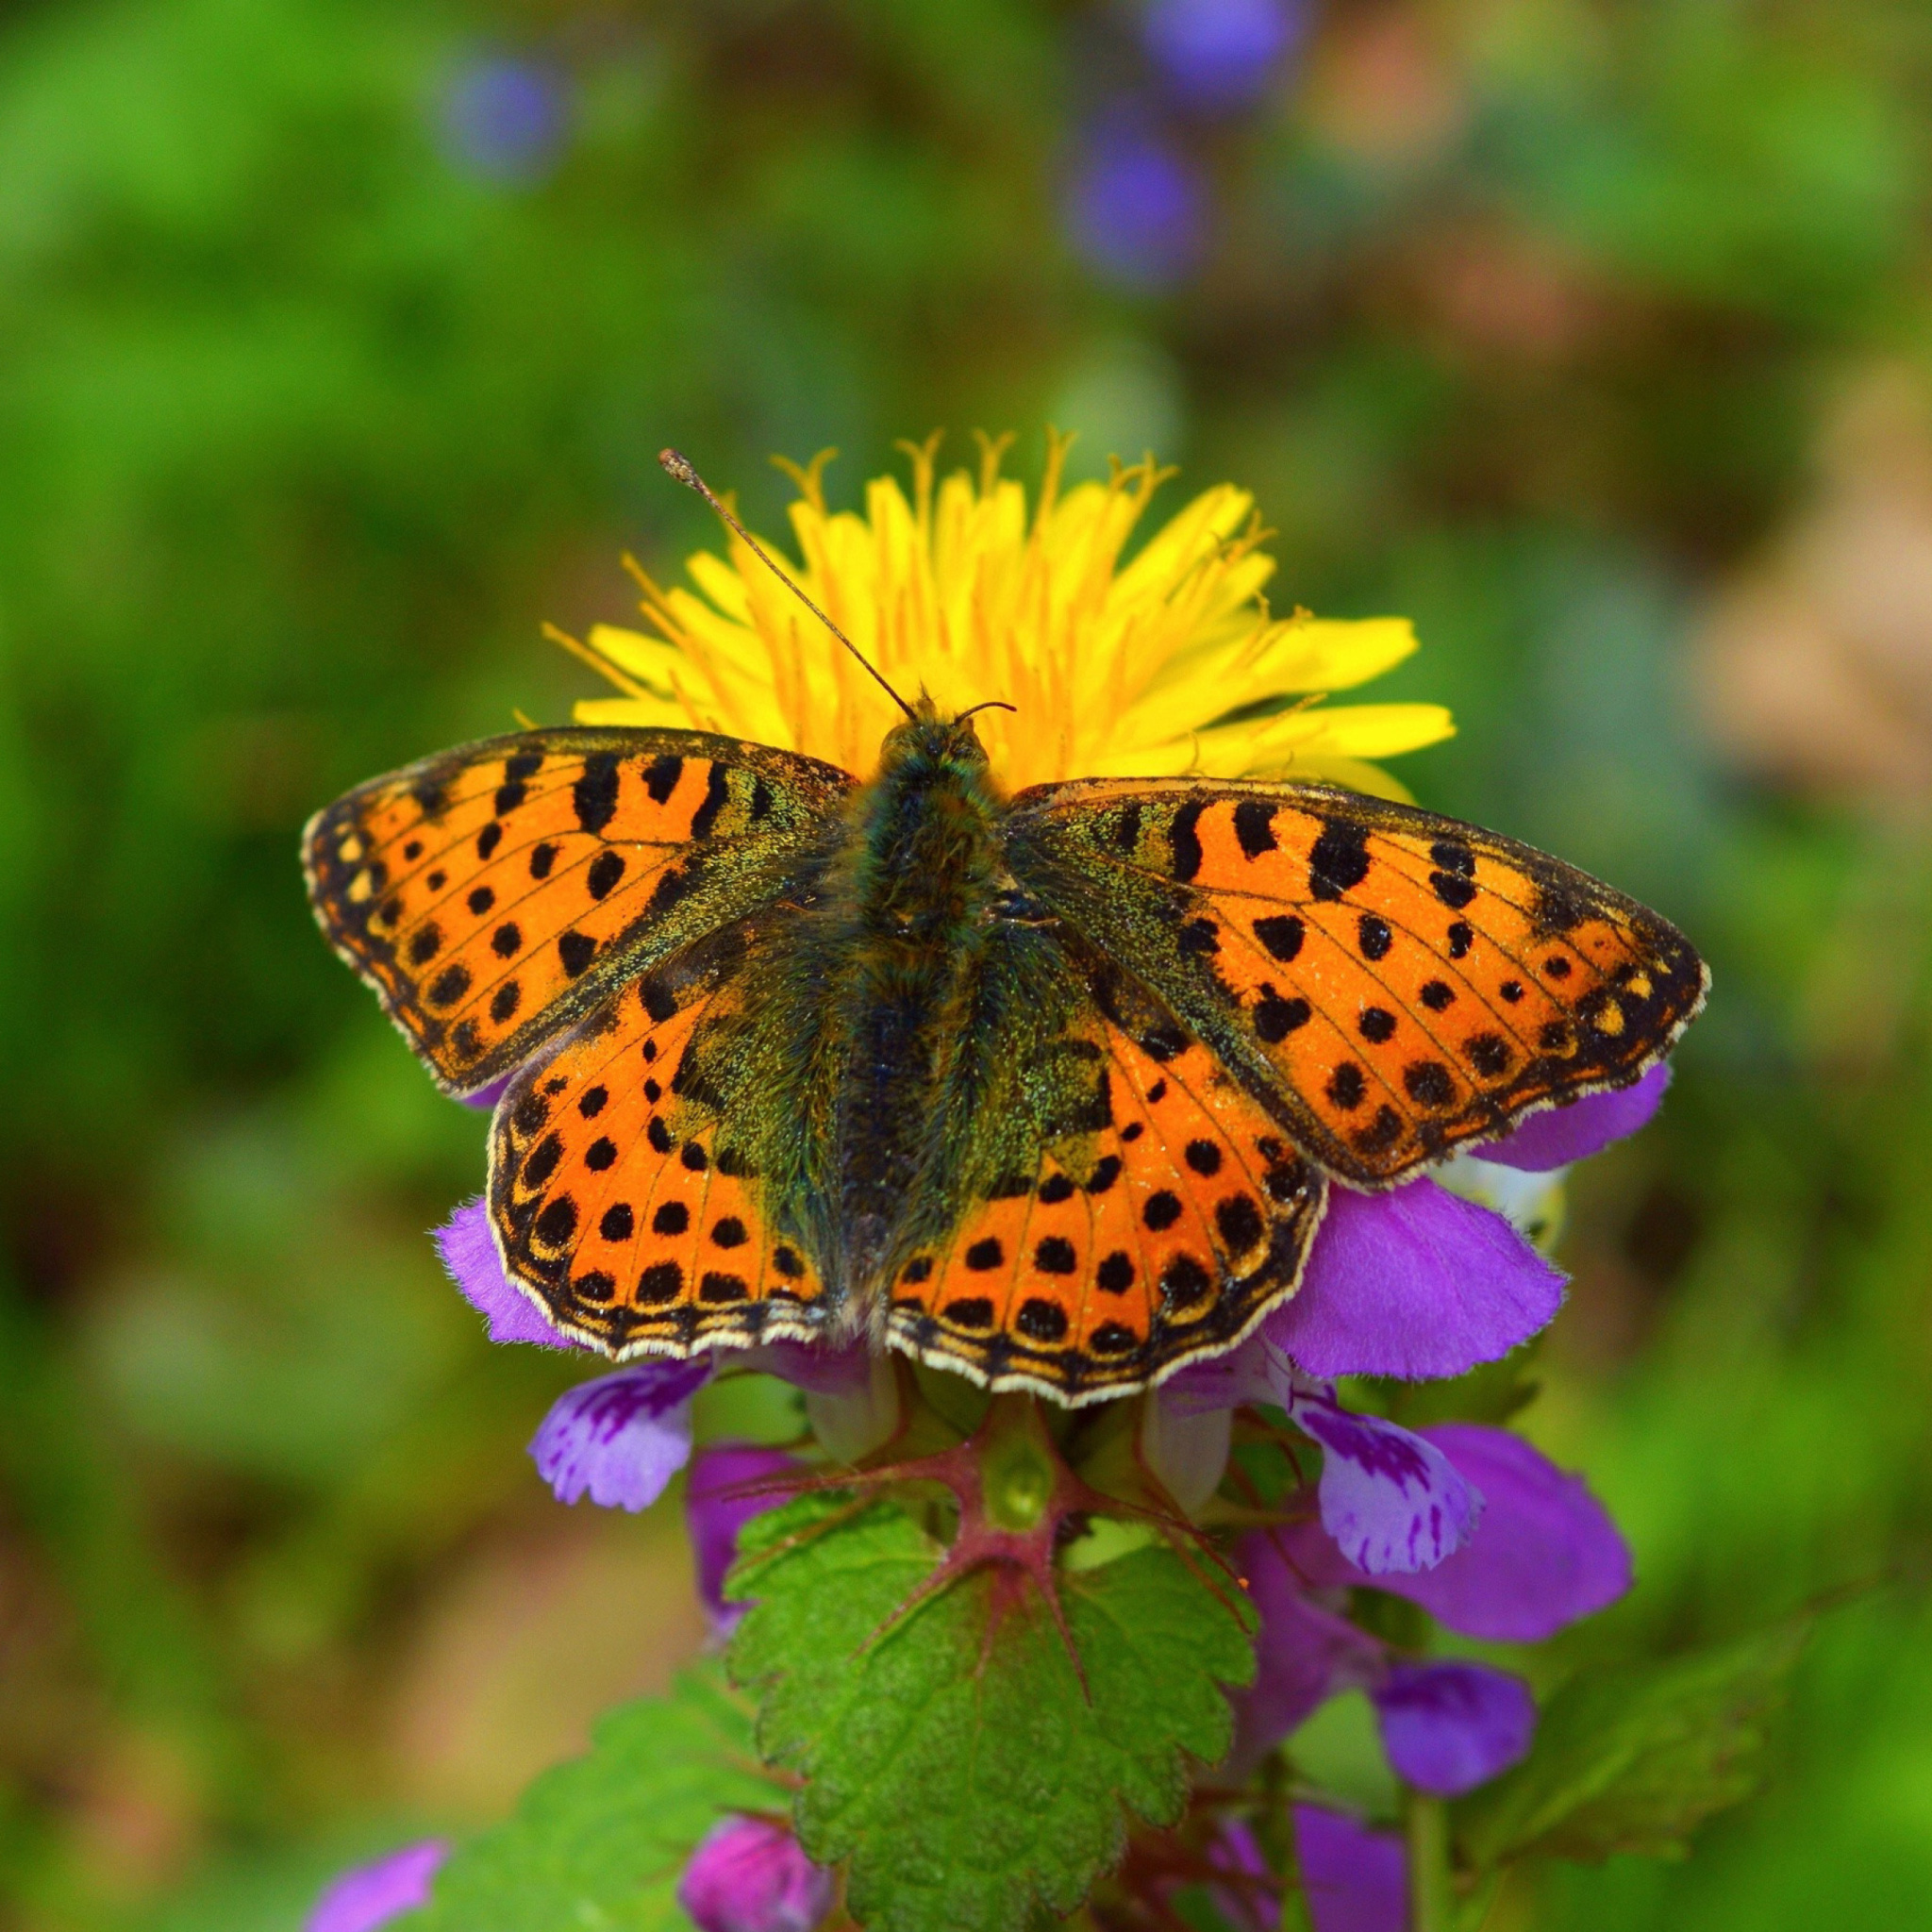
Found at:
(896, 944)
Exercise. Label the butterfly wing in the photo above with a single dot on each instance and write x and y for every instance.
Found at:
(494, 894)
(1107, 1205)
(621, 1190)
(1388, 983)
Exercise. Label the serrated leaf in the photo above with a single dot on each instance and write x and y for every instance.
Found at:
(600, 1842)
(953, 1759)
(1634, 1760)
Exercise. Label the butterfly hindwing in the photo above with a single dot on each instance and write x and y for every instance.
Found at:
(625, 1200)
(1391, 983)
(494, 894)
(1161, 1222)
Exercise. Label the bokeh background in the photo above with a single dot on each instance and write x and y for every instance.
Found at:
(337, 339)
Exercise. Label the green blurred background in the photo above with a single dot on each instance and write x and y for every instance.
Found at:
(337, 341)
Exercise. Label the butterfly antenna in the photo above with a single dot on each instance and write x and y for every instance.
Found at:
(680, 468)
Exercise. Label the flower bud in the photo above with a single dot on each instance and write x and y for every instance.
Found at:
(748, 1875)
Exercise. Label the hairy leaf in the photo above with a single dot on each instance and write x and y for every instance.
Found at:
(1633, 1760)
(953, 1758)
(602, 1840)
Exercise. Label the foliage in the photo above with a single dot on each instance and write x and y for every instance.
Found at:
(1532, 322)
(954, 1751)
(1634, 1760)
(602, 1840)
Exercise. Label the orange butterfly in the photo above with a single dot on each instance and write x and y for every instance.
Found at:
(1047, 1088)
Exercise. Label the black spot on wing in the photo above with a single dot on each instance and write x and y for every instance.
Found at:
(661, 776)
(1253, 826)
(1184, 838)
(717, 795)
(1340, 860)
(594, 794)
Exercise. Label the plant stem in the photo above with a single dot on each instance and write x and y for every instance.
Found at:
(1431, 1906)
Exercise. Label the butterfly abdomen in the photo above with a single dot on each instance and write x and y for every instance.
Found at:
(900, 930)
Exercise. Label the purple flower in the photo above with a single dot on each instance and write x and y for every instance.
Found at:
(1413, 1283)
(1392, 1500)
(1544, 1554)
(1448, 1727)
(373, 1894)
(505, 120)
(1136, 208)
(714, 1516)
(1560, 1135)
(468, 1248)
(748, 1875)
(1304, 1653)
(621, 1438)
(1221, 52)
(1356, 1880)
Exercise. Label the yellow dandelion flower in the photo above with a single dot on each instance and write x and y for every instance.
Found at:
(1115, 670)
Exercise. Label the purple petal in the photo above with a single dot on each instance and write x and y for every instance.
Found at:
(1413, 1283)
(1545, 1553)
(748, 1875)
(1391, 1500)
(1221, 53)
(1251, 1897)
(1451, 1726)
(1560, 1135)
(621, 1438)
(489, 1095)
(714, 1516)
(808, 1365)
(1356, 1880)
(373, 1894)
(1304, 1655)
(469, 1252)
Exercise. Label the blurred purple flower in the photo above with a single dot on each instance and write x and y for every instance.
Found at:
(1136, 208)
(748, 1875)
(714, 1516)
(1448, 1727)
(1354, 1879)
(373, 1894)
(1545, 1553)
(505, 118)
(1415, 1283)
(621, 1438)
(1560, 1135)
(469, 1252)
(1220, 53)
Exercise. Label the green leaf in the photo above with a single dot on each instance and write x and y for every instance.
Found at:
(601, 1841)
(1634, 1760)
(953, 1758)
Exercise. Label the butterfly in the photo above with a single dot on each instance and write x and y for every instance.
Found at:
(1047, 1088)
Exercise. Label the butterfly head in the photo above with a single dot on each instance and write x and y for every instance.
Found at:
(930, 740)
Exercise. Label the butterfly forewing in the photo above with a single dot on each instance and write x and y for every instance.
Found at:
(1391, 983)
(495, 894)
(625, 1198)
